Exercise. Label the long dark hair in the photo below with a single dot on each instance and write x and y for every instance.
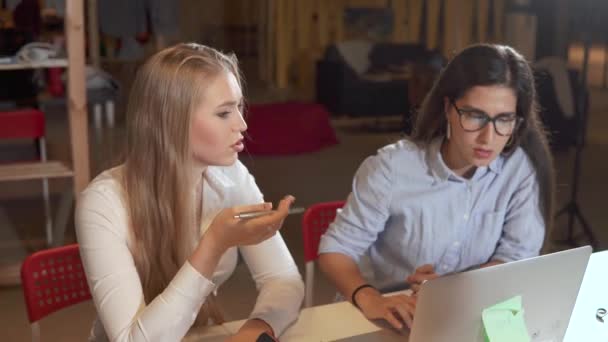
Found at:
(485, 65)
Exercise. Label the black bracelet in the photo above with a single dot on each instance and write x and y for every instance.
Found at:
(352, 297)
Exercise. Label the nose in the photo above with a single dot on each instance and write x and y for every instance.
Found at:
(240, 125)
(486, 135)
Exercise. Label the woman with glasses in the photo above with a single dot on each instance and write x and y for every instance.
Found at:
(472, 187)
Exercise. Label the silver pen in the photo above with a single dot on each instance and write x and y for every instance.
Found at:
(252, 214)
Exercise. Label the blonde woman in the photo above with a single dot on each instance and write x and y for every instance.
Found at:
(158, 234)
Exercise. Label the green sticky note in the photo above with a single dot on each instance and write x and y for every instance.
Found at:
(504, 322)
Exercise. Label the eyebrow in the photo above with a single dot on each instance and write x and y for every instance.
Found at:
(469, 107)
(231, 103)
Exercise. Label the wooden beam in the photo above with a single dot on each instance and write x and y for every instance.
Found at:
(499, 16)
(93, 32)
(414, 20)
(77, 95)
(433, 11)
(400, 21)
(451, 14)
(323, 23)
(465, 21)
(338, 19)
(483, 8)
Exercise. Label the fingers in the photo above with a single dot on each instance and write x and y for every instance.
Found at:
(423, 273)
(258, 229)
(392, 319)
(400, 312)
(405, 313)
(405, 307)
(276, 218)
(426, 268)
(253, 207)
(396, 310)
(285, 203)
(418, 278)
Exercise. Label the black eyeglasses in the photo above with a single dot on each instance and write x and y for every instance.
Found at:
(473, 120)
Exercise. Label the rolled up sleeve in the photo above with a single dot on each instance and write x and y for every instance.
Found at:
(365, 214)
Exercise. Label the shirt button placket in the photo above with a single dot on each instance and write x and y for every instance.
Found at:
(468, 203)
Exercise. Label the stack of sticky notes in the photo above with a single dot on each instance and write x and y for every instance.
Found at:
(504, 322)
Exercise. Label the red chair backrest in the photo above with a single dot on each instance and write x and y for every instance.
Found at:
(315, 221)
(53, 279)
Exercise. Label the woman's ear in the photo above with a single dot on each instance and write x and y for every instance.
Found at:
(446, 107)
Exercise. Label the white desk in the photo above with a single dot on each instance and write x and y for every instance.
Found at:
(318, 323)
(593, 294)
(341, 320)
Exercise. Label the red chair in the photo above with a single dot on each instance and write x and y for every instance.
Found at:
(52, 279)
(315, 221)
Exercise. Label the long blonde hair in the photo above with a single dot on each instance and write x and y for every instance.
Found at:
(157, 176)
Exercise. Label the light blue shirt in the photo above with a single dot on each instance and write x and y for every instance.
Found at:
(407, 209)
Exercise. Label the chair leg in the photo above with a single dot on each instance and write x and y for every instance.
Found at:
(35, 332)
(63, 215)
(110, 113)
(97, 116)
(46, 196)
(310, 280)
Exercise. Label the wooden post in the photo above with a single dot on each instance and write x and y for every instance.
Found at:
(77, 95)
(498, 16)
(433, 11)
(323, 25)
(414, 20)
(465, 21)
(400, 24)
(450, 27)
(283, 46)
(93, 33)
(338, 12)
(304, 13)
(483, 7)
(261, 38)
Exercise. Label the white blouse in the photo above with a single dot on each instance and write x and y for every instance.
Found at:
(103, 229)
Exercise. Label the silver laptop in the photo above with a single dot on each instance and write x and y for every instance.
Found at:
(589, 321)
(449, 308)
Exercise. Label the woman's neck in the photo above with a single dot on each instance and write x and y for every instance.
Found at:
(198, 170)
(454, 161)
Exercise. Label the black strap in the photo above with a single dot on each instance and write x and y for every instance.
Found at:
(352, 297)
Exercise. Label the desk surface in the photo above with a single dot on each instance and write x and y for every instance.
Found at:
(320, 323)
(51, 63)
(593, 295)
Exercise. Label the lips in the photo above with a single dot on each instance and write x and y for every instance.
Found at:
(238, 146)
(481, 153)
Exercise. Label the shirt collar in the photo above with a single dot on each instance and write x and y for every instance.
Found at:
(216, 177)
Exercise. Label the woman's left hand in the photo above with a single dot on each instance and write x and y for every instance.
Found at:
(422, 274)
(251, 330)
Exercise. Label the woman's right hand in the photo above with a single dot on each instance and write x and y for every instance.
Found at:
(227, 231)
(394, 309)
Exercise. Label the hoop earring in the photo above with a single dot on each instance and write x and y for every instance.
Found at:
(448, 129)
